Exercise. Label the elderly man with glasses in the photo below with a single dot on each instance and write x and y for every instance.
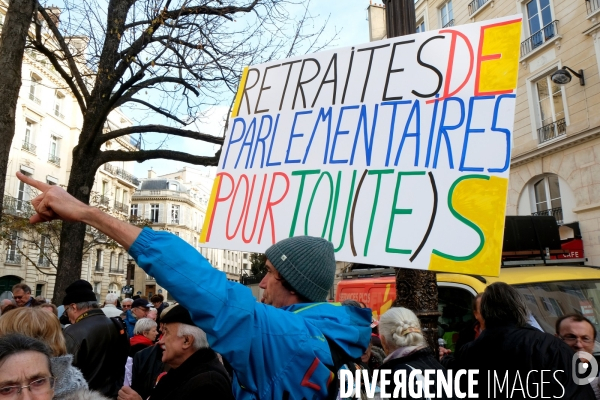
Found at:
(139, 309)
(22, 296)
(577, 331)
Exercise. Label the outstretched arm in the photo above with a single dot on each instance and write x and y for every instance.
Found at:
(55, 203)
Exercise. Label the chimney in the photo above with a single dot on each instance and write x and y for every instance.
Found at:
(151, 174)
(54, 13)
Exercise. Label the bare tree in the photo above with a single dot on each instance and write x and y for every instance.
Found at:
(12, 47)
(172, 58)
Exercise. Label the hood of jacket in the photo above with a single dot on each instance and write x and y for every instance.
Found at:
(349, 327)
(69, 379)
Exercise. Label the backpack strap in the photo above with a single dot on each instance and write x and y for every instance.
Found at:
(122, 330)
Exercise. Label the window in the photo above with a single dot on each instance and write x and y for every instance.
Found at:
(24, 194)
(39, 289)
(43, 259)
(99, 260)
(134, 210)
(112, 261)
(175, 213)
(58, 105)
(447, 15)
(34, 89)
(120, 262)
(154, 208)
(173, 186)
(97, 289)
(28, 139)
(54, 150)
(420, 26)
(113, 288)
(12, 255)
(540, 24)
(118, 194)
(551, 109)
(547, 197)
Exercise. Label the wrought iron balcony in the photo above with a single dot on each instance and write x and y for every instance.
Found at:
(552, 130)
(592, 6)
(17, 207)
(34, 99)
(54, 159)
(109, 168)
(117, 271)
(124, 208)
(103, 200)
(449, 24)
(540, 37)
(121, 173)
(135, 142)
(556, 212)
(30, 147)
(13, 258)
(476, 5)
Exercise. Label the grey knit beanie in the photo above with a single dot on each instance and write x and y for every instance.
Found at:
(307, 263)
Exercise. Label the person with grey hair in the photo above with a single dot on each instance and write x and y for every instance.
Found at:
(406, 348)
(5, 303)
(509, 348)
(195, 368)
(99, 345)
(110, 306)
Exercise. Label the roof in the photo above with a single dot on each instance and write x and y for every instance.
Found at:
(163, 184)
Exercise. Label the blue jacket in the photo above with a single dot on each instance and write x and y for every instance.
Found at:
(130, 321)
(276, 353)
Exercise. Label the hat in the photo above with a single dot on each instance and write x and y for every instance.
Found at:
(78, 292)
(178, 314)
(307, 263)
(140, 303)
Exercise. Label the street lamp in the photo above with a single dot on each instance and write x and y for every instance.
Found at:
(562, 76)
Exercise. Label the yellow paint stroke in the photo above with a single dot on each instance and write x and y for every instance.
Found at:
(500, 74)
(209, 210)
(385, 304)
(482, 202)
(240, 93)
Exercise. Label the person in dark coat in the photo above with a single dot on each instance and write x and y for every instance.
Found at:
(158, 302)
(510, 348)
(406, 348)
(195, 368)
(99, 346)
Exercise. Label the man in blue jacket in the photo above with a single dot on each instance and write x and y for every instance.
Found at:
(278, 347)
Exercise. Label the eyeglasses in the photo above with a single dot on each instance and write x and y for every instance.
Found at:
(36, 387)
(126, 306)
(18, 297)
(570, 339)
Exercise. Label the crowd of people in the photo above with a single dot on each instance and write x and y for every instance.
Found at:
(220, 343)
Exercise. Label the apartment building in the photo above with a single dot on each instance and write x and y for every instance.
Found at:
(555, 164)
(176, 202)
(48, 124)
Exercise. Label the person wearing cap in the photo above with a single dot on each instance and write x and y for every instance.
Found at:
(139, 309)
(94, 340)
(278, 348)
(195, 371)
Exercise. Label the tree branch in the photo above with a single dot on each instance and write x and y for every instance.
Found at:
(156, 109)
(143, 155)
(160, 129)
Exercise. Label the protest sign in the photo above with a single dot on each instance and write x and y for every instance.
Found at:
(397, 151)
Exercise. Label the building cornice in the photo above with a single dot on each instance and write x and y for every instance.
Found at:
(555, 147)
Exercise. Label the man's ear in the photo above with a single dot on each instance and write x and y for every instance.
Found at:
(188, 341)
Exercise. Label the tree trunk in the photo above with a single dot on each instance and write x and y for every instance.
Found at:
(72, 234)
(12, 46)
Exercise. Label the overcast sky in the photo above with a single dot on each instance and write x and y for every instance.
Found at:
(349, 17)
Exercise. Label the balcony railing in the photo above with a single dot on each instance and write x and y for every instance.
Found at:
(540, 37)
(30, 147)
(476, 5)
(120, 172)
(592, 6)
(116, 271)
(103, 200)
(556, 212)
(552, 130)
(58, 114)
(13, 258)
(124, 208)
(54, 159)
(135, 142)
(99, 268)
(17, 207)
(34, 99)
(449, 24)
